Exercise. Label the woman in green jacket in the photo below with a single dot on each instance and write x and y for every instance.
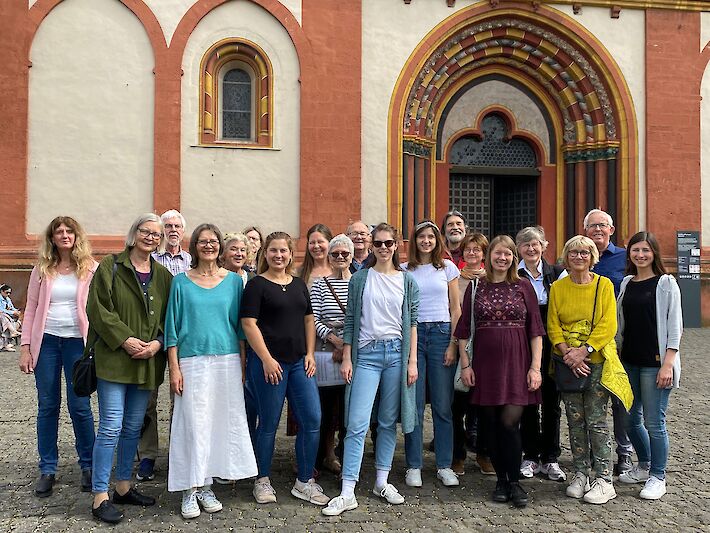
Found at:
(126, 311)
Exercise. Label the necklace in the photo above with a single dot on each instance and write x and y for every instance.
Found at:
(209, 274)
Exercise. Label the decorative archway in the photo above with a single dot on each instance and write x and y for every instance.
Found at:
(562, 66)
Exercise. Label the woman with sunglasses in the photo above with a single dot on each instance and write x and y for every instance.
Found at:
(437, 350)
(581, 324)
(126, 310)
(649, 301)
(329, 296)
(379, 352)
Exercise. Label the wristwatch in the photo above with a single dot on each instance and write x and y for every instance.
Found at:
(588, 348)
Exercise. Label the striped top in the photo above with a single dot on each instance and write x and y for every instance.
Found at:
(326, 310)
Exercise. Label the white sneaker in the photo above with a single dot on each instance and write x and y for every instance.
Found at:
(310, 491)
(263, 491)
(189, 507)
(208, 501)
(553, 471)
(339, 505)
(529, 468)
(601, 491)
(447, 477)
(389, 493)
(653, 489)
(578, 486)
(635, 475)
(413, 477)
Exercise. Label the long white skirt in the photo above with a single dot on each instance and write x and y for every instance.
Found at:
(209, 435)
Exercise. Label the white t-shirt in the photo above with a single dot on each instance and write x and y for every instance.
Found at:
(62, 320)
(382, 301)
(434, 290)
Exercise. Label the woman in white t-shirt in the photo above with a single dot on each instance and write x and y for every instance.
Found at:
(439, 311)
(53, 339)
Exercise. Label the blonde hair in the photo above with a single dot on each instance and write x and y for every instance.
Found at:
(80, 253)
(506, 242)
(580, 241)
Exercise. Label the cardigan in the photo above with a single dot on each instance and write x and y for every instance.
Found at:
(410, 307)
(669, 319)
(39, 292)
(117, 309)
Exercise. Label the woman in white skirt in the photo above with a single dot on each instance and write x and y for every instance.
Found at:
(209, 433)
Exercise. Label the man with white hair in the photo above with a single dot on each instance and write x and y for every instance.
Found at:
(453, 227)
(599, 226)
(359, 233)
(176, 260)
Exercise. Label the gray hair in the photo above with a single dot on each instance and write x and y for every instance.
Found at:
(146, 217)
(173, 213)
(238, 236)
(531, 233)
(341, 240)
(594, 212)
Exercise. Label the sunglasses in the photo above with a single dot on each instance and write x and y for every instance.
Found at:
(344, 254)
(389, 243)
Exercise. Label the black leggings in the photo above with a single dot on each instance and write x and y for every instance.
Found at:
(503, 435)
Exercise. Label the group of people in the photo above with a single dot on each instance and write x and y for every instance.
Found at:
(480, 330)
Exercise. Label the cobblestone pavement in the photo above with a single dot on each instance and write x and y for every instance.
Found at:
(433, 507)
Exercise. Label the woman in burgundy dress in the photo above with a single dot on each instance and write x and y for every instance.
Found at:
(503, 359)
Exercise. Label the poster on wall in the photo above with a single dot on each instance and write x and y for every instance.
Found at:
(688, 253)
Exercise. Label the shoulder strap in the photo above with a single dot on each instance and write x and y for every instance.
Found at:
(596, 293)
(474, 287)
(332, 291)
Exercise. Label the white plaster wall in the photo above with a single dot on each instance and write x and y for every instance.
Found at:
(705, 156)
(704, 29)
(237, 187)
(403, 26)
(90, 117)
(466, 110)
(170, 12)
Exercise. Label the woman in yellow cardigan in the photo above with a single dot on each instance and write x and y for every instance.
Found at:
(581, 324)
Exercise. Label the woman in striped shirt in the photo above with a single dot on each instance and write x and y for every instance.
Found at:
(329, 297)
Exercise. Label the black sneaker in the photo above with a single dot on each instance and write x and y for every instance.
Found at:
(133, 497)
(86, 480)
(624, 464)
(502, 492)
(518, 495)
(146, 470)
(106, 512)
(44, 485)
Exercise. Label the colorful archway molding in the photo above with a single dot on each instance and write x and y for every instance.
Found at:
(563, 65)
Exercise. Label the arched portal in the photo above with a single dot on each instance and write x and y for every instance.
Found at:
(572, 96)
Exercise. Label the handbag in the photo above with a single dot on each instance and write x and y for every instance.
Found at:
(83, 374)
(565, 379)
(458, 384)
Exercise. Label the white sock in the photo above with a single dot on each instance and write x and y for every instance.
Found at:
(381, 479)
(348, 488)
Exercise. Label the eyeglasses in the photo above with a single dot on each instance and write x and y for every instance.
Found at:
(599, 225)
(173, 226)
(389, 243)
(152, 234)
(579, 253)
(362, 234)
(344, 254)
(208, 242)
(473, 251)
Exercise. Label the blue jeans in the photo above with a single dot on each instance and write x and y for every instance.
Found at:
(646, 422)
(57, 353)
(432, 341)
(302, 394)
(121, 411)
(379, 364)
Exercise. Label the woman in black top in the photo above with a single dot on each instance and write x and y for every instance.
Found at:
(278, 321)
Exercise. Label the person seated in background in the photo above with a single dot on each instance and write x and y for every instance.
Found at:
(9, 320)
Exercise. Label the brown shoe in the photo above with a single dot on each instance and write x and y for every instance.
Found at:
(458, 467)
(484, 463)
(332, 464)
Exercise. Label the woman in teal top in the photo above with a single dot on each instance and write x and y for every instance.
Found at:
(209, 435)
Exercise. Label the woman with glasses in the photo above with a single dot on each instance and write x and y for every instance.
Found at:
(437, 350)
(278, 321)
(209, 435)
(500, 345)
(126, 310)
(581, 324)
(255, 241)
(329, 296)
(379, 353)
(53, 340)
(541, 443)
(648, 303)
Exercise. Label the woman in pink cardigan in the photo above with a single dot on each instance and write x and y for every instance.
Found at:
(53, 337)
